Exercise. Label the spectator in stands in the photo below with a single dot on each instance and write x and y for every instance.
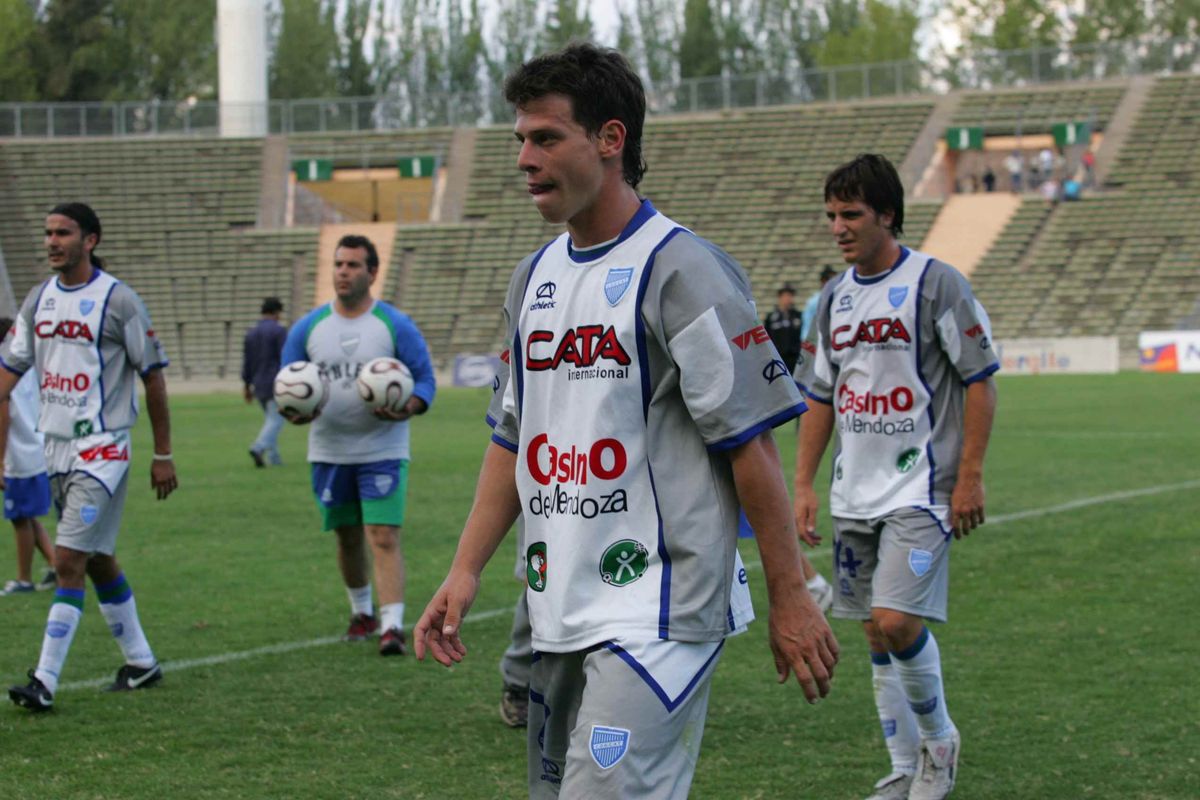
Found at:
(1071, 189)
(1089, 168)
(810, 308)
(1046, 163)
(989, 179)
(1013, 164)
(1049, 190)
(783, 324)
(260, 363)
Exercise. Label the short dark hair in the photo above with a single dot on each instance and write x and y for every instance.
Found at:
(86, 219)
(353, 240)
(872, 179)
(5, 324)
(785, 289)
(600, 85)
(272, 305)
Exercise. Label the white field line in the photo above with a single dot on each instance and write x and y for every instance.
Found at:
(479, 616)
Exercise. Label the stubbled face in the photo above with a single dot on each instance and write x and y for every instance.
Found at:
(562, 164)
(66, 246)
(351, 278)
(861, 234)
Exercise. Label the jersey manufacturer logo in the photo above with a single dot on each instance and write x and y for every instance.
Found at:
(896, 295)
(86, 306)
(349, 343)
(974, 330)
(608, 745)
(757, 335)
(535, 566)
(880, 330)
(544, 297)
(579, 348)
(845, 303)
(774, 370)
(48, 305)
(624, 562)
(908, 459)
(67, 329)
(617, 283)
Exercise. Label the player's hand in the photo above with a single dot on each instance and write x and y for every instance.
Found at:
(414, 406)
(296, 418)
(802, 642)
(805, 508)
(438, 628)
(966, 504)
(162, 478)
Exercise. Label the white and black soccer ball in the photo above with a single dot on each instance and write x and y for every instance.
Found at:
(300, 389)
(385, 383)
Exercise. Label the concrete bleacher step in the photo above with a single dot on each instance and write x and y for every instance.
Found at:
(967, 226)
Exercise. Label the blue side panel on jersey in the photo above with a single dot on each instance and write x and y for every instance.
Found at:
(925, 383)
(294, 346)
(670, 703)
(99, 352)
(411, 348)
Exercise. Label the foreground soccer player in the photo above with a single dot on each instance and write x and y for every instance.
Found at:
(636, 420)
(89, 336)
(899, 341)
(360, 459)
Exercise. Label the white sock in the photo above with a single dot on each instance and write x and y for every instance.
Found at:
(898, 721)
(122, 619)
(61, 624)
(920, 670)
(391, 617)
(816, 582)
(360, 600)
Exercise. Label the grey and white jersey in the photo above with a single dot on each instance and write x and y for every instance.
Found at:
(893, 354)
(634, 368)
(89, 344)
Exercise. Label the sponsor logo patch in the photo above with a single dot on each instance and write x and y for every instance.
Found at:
(624, 562)
(878, 331)
(83, 428)
(919, 561)
(67, 329)
(908, 459)
(582, 350)
(617, 283)
(57, 630)
(608, 745)
(757, 335)
(535, 566)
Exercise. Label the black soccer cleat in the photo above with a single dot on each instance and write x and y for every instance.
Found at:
(130, 678)
(34, 695)
(392, 643)
(258, 459)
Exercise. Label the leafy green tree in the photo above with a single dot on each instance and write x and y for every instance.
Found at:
(18, 72)
(354, 73)
(171, 48)
(565, 23)
(306, 51)
(700, 44)
(78, 53)
(658, 27)
(465, 57)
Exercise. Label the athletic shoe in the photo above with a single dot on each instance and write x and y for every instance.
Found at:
(130, 677)
(258, 459)
(361, 626)
(16, 587)
(937, 767)
(893, 787)
(48, 581)
(822, 593)
(34, 695)
(392, 643)
(514, 706)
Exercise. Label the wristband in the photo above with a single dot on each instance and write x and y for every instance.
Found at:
(162, 456)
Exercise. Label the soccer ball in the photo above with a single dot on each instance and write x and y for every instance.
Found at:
(301, 390)
(385, 383)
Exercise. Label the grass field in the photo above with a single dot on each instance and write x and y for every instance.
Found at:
(1070, 655)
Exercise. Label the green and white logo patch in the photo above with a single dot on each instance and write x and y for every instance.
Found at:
(908, 459)
(535, 566)
(624, 562)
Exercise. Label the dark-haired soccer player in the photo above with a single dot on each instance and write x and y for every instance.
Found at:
(359, 458)
(629, 429)
(900, 358)
(89, 337)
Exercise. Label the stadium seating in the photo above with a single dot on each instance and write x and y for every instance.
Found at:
(1004, 112)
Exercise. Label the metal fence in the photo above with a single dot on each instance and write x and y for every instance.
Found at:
(409, 108)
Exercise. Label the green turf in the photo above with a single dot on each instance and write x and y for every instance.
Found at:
(1070, 655)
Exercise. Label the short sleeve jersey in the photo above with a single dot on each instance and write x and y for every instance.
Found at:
(634, 368)
(892, 353)
(347, 432)
(89, 344)
(24, 454)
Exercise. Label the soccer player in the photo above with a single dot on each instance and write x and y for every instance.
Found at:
(901, 361)
(89, 337)
(360, 458)
(24, 480)
(632, 427)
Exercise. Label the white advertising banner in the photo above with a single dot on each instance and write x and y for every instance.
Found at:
(1169, 351)
(1068, 355)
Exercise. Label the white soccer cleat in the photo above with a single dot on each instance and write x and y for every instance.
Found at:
(893, 787)
(937, 767)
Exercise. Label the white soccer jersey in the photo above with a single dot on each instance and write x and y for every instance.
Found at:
(24, 454)
(89, 344)
(635, 367)
(892, 353)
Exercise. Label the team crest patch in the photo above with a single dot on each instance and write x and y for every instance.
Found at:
(535, 566)
(617, 283)
(383, 484)
(608, 745)
(89, 514)
(896, 295)
(86, 306)
(349, 343)
(624, 562)
(919, 561)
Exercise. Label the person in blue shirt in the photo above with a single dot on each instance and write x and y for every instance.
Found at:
(810, 308)
(260, 362)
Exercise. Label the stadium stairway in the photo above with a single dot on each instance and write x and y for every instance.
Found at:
(967, 226)
(383, 234)
(1124, 118)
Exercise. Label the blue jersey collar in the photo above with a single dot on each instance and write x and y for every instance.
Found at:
(904, 251)
(644, 213)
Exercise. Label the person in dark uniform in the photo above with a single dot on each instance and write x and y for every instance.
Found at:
(783, 325)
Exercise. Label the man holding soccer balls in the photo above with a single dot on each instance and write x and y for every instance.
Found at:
(357, 369)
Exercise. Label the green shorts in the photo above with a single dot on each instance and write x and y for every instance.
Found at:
(361, 494)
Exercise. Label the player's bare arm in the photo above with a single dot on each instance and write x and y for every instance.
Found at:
(162, 470)
(496, 507)
(815, 428)
(801, 639)
(967, 500)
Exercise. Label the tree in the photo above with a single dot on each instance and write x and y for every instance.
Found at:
(171, 48)
(18, 73)
(465, 58)
(354, 73)
(884, 31)
(306, 51)
(700, 46)
(564, 24)
(514, 43)
(658, 26)
(78, 55)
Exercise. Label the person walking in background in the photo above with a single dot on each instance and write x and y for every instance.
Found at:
(260, 362)
(783, 324)
(1013, 163)
(24, 481)
(810, 307)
